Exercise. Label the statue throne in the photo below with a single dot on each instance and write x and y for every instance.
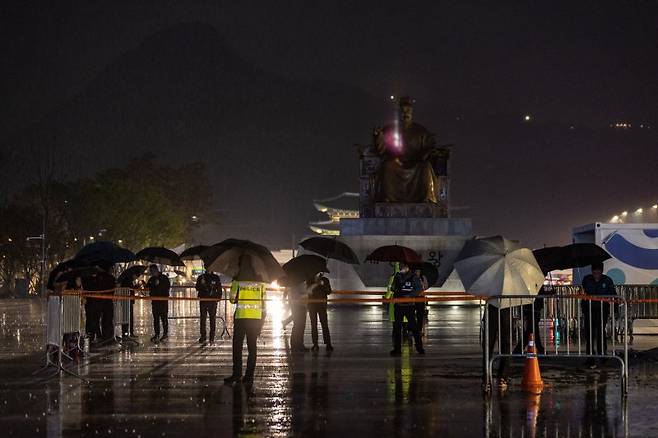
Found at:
(369, 206)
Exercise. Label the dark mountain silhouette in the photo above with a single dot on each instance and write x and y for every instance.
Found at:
(272, 143)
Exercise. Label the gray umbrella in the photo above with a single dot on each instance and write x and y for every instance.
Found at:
(497, 266)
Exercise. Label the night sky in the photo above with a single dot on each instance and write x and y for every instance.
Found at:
(274, 97)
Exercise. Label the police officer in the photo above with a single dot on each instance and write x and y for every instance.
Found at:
(406, 284)
(208, 285)
(158, 286)
(596, 313)
(248, 295)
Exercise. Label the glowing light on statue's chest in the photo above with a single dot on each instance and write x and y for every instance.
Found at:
(395, 140)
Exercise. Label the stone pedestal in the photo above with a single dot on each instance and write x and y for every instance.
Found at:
(404, 210)
(418, 226)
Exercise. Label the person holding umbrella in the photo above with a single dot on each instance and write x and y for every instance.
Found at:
(100, 312)
(158, 286)
(248, 295)
(302, 278)
(596, 313)
(406, 284)
(208, 285)
(297, 294)
(320, 289)
(497, 267)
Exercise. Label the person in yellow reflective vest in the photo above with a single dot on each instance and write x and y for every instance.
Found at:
(248, 295)
(389, 292)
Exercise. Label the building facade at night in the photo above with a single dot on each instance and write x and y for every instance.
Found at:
(345, 205)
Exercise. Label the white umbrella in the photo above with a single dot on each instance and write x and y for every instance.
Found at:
(497, 266)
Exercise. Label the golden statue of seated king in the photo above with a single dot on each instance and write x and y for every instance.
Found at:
(406, 149)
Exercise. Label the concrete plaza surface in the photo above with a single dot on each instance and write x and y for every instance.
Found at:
(176, 388)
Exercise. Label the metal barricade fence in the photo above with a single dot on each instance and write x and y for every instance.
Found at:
(63, 318)
(71, 308)
(122, 306)
(564, 326)
(184, 308)
(641, 299)
(642, 302)
(189, 308)
(122, 313)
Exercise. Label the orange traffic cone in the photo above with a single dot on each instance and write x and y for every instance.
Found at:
(532, 381)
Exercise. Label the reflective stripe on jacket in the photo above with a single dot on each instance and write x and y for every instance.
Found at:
(248, 297)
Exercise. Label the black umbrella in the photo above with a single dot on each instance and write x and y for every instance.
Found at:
(128, 274)
(394, 253)
(250, 269)
(209, 255)
(549, 258)
(83, 272)
(103, 252)
(236, 254)
(575, 255)
(331, 248)
(61, 267)
(193, 252)
(160, 255)
(304, 267)
(429, 271)
(578, 255)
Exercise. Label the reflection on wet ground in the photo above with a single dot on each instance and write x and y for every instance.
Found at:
(176, 388)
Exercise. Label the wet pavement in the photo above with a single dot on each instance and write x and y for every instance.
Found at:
(176, 388)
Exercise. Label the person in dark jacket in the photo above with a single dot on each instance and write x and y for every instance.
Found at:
(319, 291)
(297, 295)
(92, 311)
(208, 285)
(596, 313)
(406, 284)
(158, 286)
(100, 312)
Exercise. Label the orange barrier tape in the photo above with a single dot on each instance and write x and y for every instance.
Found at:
(383, 292)
(104, 296)
(334, 292)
